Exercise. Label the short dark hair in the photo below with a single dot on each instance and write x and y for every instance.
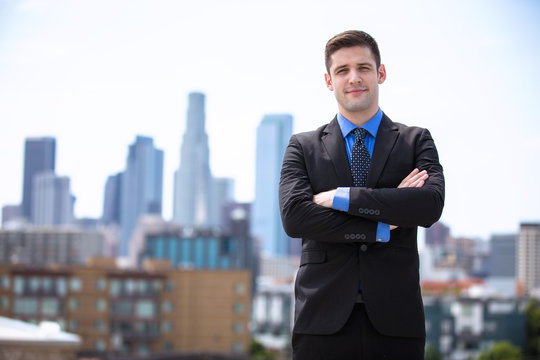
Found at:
(347, 39)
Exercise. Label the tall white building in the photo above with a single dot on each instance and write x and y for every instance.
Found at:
(273, 135)
(198, 196)
(52, 202)
(528, 258)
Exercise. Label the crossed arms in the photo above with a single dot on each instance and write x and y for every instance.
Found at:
(417, 201)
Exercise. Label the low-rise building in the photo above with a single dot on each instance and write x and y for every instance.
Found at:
(462, 327)
(157, 309)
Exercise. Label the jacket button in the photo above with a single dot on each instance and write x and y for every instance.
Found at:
(363, 248)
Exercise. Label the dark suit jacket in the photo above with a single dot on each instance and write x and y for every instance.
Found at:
(339, 249)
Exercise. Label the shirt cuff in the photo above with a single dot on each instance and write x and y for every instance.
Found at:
(341, 199)
(383, 232)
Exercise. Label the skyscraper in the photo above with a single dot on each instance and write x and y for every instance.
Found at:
(273, 135)
(112, 199)
(503, 255)
(528, 258)
(52, 202)
(198, 197)
(142, 187)
(39, 156)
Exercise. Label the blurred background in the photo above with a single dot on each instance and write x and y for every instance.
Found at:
(141, 146)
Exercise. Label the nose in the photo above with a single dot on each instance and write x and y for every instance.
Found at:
(355, 77)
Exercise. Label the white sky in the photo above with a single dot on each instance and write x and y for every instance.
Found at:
(94, 74)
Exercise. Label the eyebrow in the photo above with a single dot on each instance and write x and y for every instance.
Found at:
(346, 66)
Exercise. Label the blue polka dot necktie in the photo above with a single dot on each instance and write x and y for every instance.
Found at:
(360, 158)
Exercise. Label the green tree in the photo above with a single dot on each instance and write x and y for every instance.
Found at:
(258, 352)
(432, 353)
(501, 350)
(533, 329)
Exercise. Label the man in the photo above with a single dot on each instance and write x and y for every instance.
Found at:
(356, 197)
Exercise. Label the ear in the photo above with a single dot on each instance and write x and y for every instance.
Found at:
(328, 81)
(381, 74)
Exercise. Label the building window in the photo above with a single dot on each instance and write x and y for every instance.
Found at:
(4, 303)
(101, 305)
(143, 349)
(466, 310)
(51, 307)
(73, 324)
(34, 284)
(166, 327)
(239, 288)
(238, 347)
(167, 347)
(170, 286)
(122, 307)
(99, 345)
(48, 285)
(142, 287)
(238, 328)
(145, 309)
(157, 286)
(238, 308)
(75, 284)
(18, 285)
(5, 282)
(101, 284)
(61, 288)
(99, 325)
(130, 286)
(166, 307)
(490, 326)
(73, 304)
(26, 306)
(114, 288)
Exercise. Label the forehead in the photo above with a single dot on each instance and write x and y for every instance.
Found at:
(350, 56)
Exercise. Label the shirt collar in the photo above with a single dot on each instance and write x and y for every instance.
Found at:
(372, 126)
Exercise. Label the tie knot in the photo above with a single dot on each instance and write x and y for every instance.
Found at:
(360, 133)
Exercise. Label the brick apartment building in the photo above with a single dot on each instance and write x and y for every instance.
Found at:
(153, 310)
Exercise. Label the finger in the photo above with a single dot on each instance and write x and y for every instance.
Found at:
(410, 182)
(418, 180)
(411, 174)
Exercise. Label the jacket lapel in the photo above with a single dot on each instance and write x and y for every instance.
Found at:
(332, 140)
(384, 143)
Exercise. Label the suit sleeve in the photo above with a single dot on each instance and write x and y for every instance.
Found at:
(406, 207)
(302, 218)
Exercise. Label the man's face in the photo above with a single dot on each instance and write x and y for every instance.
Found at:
(354, 79)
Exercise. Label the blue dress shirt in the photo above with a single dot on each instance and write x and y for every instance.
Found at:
(341, 197)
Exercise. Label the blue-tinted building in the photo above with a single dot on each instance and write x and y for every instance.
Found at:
(199, 250)
(112, 199)
(273, 136)
(142, 187)
(39, 156)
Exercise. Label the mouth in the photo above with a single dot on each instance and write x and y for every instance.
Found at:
(356, 91)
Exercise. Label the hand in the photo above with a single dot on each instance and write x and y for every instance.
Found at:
(417, 179)
(325, 198)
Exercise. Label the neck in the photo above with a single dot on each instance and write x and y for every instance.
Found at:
(359, 118)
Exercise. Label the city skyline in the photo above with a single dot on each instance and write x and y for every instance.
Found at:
(77, 72)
